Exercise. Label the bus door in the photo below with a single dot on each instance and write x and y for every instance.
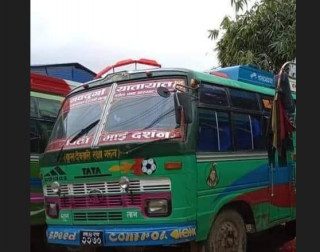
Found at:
(281, 187)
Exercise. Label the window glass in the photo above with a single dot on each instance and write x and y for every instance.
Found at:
(257, 133)
(208, 138)
(48, 108)
(45, 129)
(213, 95)
(214, 131)
(225, 136)
(242, 131)
(243, 99)
(158, 114)
(33, 107)
(249, 133)
(34, 137)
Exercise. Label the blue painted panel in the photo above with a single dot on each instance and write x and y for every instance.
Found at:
(39, 70)
(60, 72)
(80, 75)
(134, 235)
(250, 75)
(35, 183)
(72, 72)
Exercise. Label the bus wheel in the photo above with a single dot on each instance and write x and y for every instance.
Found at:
(291, 229)
(228, 233)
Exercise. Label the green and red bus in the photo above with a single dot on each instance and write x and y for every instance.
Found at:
(163, 157)
(46, 96)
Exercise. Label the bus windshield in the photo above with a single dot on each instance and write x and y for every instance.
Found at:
(141, 113)
(133, 117)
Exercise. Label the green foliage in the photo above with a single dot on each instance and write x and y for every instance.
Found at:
(265, 35)
(238, 4)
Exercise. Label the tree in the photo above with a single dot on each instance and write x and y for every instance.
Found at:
(265, 35)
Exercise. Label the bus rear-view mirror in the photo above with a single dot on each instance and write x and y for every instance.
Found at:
(184, 99)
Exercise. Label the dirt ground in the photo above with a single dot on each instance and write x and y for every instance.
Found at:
(273, 240)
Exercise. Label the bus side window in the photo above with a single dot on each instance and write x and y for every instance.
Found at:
(242, 131)
(45, 132)
(225, 136)
(33, 107)
(213, 95)
(208, 139)
(34, 137)
(244, 99)
(259, 140)
(48, 108)
(248, 132)
(214, 131)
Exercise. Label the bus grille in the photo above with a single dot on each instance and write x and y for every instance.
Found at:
(97, 216)
(110, 187)
(101, 201)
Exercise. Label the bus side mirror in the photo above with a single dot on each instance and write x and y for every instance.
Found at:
(185, 102)
(181, 100)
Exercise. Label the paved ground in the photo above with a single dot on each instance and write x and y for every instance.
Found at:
(268, 241)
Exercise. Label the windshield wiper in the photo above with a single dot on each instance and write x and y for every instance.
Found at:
(81, 133)
(84, 130)
(150, 142)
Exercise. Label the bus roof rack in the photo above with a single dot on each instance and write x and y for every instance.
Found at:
(246, 73)
(128, 62)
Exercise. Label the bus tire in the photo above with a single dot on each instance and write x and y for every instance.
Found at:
(228, 233)
(291, 229)
(196, 247)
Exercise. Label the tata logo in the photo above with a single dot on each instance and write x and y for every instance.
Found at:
(95, 195)
(91, 171)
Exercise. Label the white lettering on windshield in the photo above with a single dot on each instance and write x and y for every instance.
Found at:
(89, 97)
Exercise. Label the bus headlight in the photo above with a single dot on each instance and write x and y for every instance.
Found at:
(124, 183)
(52, 210)
(55, 187)
(158, 208)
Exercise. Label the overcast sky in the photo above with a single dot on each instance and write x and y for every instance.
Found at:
(97, 33)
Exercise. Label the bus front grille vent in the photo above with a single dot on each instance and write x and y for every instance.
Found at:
(97, 216)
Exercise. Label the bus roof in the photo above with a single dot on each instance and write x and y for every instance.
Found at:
(51, 85)
(236, 84)
(203, 76)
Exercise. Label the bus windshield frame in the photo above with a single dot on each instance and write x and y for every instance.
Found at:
(137, 114)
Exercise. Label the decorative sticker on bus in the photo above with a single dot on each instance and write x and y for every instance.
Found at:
(117, 137)
(164, 235)
(56, 174)
(90, 155)
(142, 88)
(139, 135)
(146, 87)
(124, 236)
(94, 96)
(212, 179)
(126, 167)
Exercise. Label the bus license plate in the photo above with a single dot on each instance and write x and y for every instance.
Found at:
(93, 238)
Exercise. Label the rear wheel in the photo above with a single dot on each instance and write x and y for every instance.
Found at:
(291, 229)
(228, 233)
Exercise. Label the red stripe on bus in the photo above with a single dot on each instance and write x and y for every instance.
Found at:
(48, 84)
(284, 196)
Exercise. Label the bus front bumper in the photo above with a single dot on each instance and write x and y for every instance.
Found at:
(121, 235)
